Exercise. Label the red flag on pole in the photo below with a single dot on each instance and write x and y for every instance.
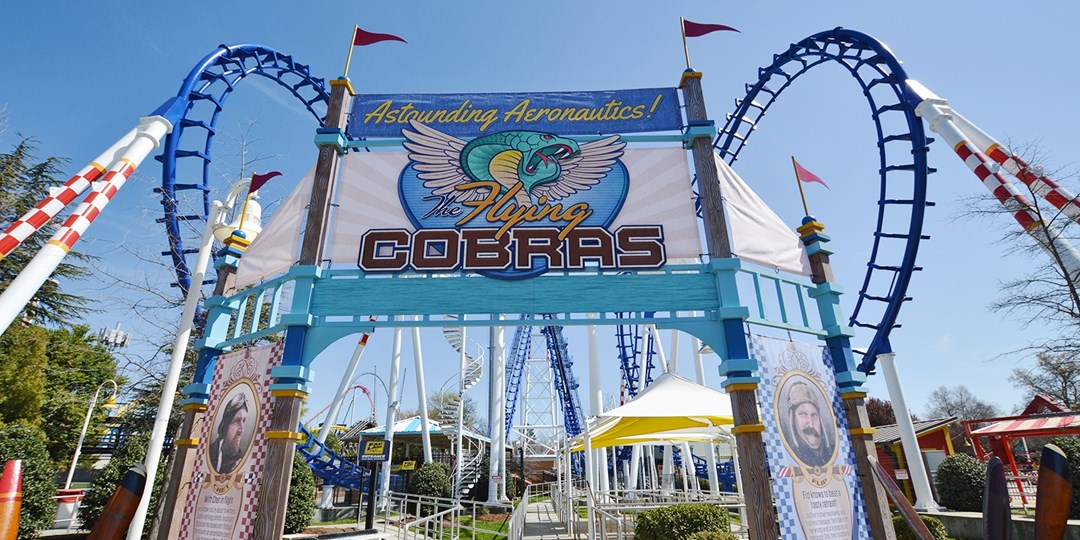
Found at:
(363, 37)
(257, 180)
(807, 176)
(693, 29)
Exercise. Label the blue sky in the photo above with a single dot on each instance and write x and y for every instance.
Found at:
(77, 78)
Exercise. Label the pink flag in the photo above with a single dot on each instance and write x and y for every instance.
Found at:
(363, 37)
(807, 176)
(693, 29)
(257, 180)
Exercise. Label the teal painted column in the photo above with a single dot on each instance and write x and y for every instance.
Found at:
(849, 380)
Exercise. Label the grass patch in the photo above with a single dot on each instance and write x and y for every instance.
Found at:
(499, 529)
(342, 521)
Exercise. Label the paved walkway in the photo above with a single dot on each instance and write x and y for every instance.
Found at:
(541, 523)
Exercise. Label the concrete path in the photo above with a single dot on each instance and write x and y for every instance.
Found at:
(541, 523)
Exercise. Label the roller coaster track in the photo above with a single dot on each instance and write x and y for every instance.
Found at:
(328, 465)
(202, 95)
(902, 147)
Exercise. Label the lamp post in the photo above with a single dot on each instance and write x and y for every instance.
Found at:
(109, 404)
(247, 225)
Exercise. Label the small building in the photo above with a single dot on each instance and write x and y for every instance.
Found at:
(935, 444)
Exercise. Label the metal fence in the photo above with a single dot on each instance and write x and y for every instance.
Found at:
(405, 516)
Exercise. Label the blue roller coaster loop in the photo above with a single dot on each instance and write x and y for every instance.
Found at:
(514, 369)
(196, 107)
(565, 382)
(883, 81)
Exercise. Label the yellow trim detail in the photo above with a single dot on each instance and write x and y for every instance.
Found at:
(688, 75)
(187, 442)
(742, 387)
(59, 244)
(862, 431)
(291, 435)
(196, 407)
(748, 428)
(289, 393)
(345, 83)
(98, 166)
(959, 144)
(852, 395)
(990, 149)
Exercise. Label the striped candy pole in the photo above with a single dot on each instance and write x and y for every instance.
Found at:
(58, 198)
(941, 120)
(23, 288)
(1059, 196)
(10, 499)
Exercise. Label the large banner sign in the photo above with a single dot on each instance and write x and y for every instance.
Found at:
(513, 205)
(567, 113)
(818, 496)
(223, 490)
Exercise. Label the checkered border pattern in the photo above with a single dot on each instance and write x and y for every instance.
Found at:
(270, 356)
(774, 448)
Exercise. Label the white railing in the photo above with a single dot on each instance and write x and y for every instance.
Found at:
(408, 517)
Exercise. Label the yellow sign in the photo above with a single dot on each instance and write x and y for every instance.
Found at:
(374, 448)
(408, 465)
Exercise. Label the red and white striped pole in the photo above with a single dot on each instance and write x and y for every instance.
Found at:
(940, 117)
(22, 289)
(1043, 186)
(37, 217)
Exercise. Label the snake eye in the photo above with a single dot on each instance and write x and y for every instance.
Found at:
(546, 137)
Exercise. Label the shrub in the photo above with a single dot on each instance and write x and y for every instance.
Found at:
(903, 532)
(712, 535)
(28, 443)
(680, 521)
(300, 508)
(430, 480)
(1071, 447)
(960, 482)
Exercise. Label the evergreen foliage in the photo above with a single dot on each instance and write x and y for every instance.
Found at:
(430, 480)
(961, 480)
(26, 442)
(903, 532)
(23, 374)
(300, 509)
(712, 535)
(680, 521)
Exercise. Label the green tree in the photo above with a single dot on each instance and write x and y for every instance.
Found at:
(24, 182)
(27, 442)
(300, 508)
(22, 373)
(131, 452)
(77, 366)
(960, 482)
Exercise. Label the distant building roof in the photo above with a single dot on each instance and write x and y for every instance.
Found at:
(890, 433)
(1043, 404)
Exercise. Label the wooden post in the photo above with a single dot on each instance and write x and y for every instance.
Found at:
(848, 379)
(748, 426)
(282, 436)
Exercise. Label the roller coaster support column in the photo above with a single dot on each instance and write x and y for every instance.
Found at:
(22, 289)
(497, 412)
(848, 379)
(596, 402)
(290, 389)
(737, 364)
(920, 480)
(421, 393)
(391, 409)
(196, 394)
(710, 460)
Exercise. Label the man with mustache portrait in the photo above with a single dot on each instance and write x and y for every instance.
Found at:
(807, 438)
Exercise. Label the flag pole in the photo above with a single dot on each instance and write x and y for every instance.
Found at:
(352, 42)
(798, 181)
(243, 209)
(685, 50)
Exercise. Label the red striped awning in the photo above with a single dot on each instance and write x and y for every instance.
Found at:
(1022, 425)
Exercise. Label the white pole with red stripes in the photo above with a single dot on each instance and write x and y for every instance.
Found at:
(940, 118)
(22, 289)
(58, 198)
(1040, 184)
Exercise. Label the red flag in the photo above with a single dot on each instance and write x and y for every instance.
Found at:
(807, 176)
(693, 29)
(363, 37)
(257, 180)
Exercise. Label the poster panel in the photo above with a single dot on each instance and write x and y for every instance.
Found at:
(224, 486)
(811, 460)
(566, 113)
(600, 206)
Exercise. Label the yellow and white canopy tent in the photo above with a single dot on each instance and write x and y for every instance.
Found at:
(672, 408)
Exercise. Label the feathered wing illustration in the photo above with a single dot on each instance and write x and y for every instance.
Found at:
(438, 162)
(584, 169)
